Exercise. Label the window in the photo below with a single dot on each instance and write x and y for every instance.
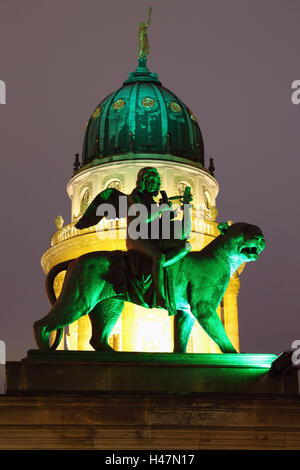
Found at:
(85, 199)
(115, 184)
(207, 199)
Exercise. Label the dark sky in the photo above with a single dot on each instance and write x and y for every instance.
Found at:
(231, 61)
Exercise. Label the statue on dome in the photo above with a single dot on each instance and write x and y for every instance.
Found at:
(143, 37)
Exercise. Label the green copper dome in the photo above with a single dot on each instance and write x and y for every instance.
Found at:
(142, 117)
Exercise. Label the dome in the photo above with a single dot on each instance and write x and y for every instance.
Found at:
(142, 117)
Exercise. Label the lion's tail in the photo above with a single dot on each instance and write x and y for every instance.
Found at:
(52, 297)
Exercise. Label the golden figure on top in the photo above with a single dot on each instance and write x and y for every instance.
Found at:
(143, 37)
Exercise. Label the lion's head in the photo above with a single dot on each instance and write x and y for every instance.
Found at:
(242, 242)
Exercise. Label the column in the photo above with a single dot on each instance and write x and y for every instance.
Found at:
(231, 311)
(128, 327)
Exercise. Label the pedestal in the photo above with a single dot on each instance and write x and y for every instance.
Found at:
(92, 400)
(91, 371)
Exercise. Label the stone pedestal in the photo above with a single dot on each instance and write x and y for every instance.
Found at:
(149, 421)
(91, 371)
(116, 401)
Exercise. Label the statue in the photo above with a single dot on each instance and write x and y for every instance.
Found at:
(153, 246)
(147, 186)
(98, 283)
(143, 37)
(59, 222)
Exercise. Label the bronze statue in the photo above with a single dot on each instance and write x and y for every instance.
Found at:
(98, 283)
(143, 37)
(147, 186)
(154, 246)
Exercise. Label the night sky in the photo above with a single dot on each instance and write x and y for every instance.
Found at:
(231, 61)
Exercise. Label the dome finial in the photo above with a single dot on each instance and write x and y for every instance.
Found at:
(211, 167)
(143, 41)
(76, 164)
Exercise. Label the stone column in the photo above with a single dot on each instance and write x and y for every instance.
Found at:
(205, 342)
(231, 311)
(58, 282)
(128, 327)
(84, 334)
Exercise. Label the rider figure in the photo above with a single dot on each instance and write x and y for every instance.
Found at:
(162, 252)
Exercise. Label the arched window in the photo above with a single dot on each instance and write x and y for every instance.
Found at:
(207, 199)
(85, 199)
(115, 184)
(181, 187)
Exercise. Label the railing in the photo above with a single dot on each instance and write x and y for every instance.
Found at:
(199, 225)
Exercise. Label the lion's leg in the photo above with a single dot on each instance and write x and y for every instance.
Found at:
(41, 335)
(59, 316)
(211, 323)
(175, 250)
(183, 324)
(79, 295)
(103, 318)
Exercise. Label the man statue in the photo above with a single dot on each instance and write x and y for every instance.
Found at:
(143, 37)
(162, 252)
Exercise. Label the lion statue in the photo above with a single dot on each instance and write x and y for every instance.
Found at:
(93, 285)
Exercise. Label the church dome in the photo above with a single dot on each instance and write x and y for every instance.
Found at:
(142, 117)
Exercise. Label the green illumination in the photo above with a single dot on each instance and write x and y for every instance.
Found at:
(231, 361)
(98, 283)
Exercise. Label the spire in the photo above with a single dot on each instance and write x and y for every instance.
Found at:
(76, 164)
(211, 167)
